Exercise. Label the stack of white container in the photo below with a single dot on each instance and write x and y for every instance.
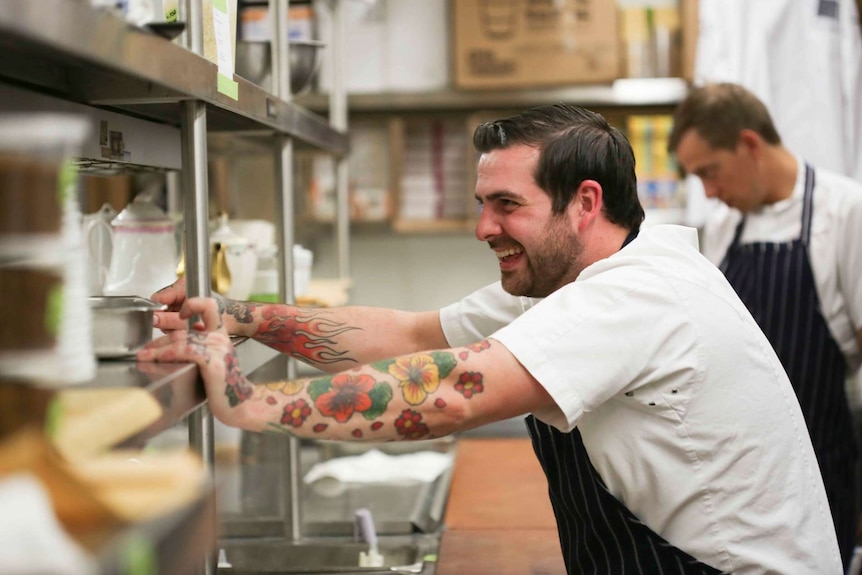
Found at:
(434, 181)
(45, 324)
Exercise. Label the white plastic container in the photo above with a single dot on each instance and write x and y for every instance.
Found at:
(266, 286)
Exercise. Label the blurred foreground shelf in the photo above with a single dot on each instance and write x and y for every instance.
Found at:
(173, 544)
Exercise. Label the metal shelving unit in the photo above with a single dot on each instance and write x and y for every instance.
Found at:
(626, 92)
(72, 57)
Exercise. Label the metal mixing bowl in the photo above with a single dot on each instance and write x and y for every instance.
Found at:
(254, 63)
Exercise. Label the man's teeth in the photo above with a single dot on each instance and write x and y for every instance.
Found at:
(510, 252)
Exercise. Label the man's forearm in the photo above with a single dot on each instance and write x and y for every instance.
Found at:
(333, 339)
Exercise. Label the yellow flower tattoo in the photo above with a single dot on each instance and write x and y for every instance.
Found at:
(418, 375)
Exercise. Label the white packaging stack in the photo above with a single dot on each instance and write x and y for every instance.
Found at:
(434, 181)
(41, 252)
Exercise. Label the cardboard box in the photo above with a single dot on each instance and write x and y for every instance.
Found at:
(689, 19)
(650, 41)
(532, 43)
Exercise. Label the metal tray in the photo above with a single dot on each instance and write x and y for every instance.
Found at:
(121, 325)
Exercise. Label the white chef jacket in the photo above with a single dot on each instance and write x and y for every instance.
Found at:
(684, 408)
(803, 59)
(835, 251)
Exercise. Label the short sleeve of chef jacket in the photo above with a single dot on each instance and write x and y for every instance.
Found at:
(623, 324)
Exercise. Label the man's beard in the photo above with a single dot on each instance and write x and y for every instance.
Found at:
(555, 263)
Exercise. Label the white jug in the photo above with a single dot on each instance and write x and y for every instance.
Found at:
(233, 262)
(97, 239)
(144, 250)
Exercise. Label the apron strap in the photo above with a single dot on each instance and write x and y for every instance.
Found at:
(807, 205)
(807, 210)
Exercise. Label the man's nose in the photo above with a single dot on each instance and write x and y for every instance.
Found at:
(486, 226)
(710, 189)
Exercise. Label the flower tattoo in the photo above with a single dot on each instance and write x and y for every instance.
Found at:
(347, 394)
(417, 375)
(238, 389)
(295, 413)
(409, 425)
(469, 384)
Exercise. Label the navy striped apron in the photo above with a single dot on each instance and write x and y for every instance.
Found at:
(598, 534)
(776, 283)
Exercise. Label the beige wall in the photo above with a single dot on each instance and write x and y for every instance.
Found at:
(411, 272)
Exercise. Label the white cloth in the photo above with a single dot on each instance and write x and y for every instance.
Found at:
(710, 448)
(374, 466)
(803, 59)
(835, 250)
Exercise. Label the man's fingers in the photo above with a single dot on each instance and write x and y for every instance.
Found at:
(168, 321)
(206, 308)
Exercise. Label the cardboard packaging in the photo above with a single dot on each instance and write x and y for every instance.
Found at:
(532, 43)
(651, 41)
(688, 14)
(392, 46)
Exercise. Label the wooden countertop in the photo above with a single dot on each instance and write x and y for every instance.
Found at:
(499, 520)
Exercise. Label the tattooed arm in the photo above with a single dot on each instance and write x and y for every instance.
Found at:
(330, 339)
(420, 395)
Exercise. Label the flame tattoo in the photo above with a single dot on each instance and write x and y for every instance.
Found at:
(308, 336)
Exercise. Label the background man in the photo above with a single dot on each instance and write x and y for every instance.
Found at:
(788, 239)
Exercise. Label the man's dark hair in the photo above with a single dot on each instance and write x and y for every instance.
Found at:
(574, 145)
(718, 112)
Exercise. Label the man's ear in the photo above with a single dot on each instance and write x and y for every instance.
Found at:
(751, 141)
(588, 202)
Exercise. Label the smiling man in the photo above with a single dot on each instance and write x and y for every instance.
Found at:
(788, 239)
(667, 429)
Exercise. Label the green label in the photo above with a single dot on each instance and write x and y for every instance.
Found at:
(67, 180)
(171, 15)
(228, 87)
(53, 417)
(220, 5)
(139, 557)
(54, 310)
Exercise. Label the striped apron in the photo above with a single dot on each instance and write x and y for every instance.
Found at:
(598, 534)
(776, 283)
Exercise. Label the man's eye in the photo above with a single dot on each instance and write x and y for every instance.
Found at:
(709, 173)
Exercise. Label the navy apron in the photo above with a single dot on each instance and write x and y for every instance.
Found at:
(598, 534)
(776, 283)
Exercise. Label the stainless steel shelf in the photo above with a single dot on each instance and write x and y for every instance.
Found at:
(641, 92)
(176, 386)
(68, 49)
(172, 543)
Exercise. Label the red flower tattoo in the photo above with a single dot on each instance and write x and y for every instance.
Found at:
(469, 384)
(479, 346)
(409, 425)
(295, 413)
(238, 389)
(348, 394)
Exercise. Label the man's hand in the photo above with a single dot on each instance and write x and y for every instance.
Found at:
(237, 317)
(208, 345)
(172, 296)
